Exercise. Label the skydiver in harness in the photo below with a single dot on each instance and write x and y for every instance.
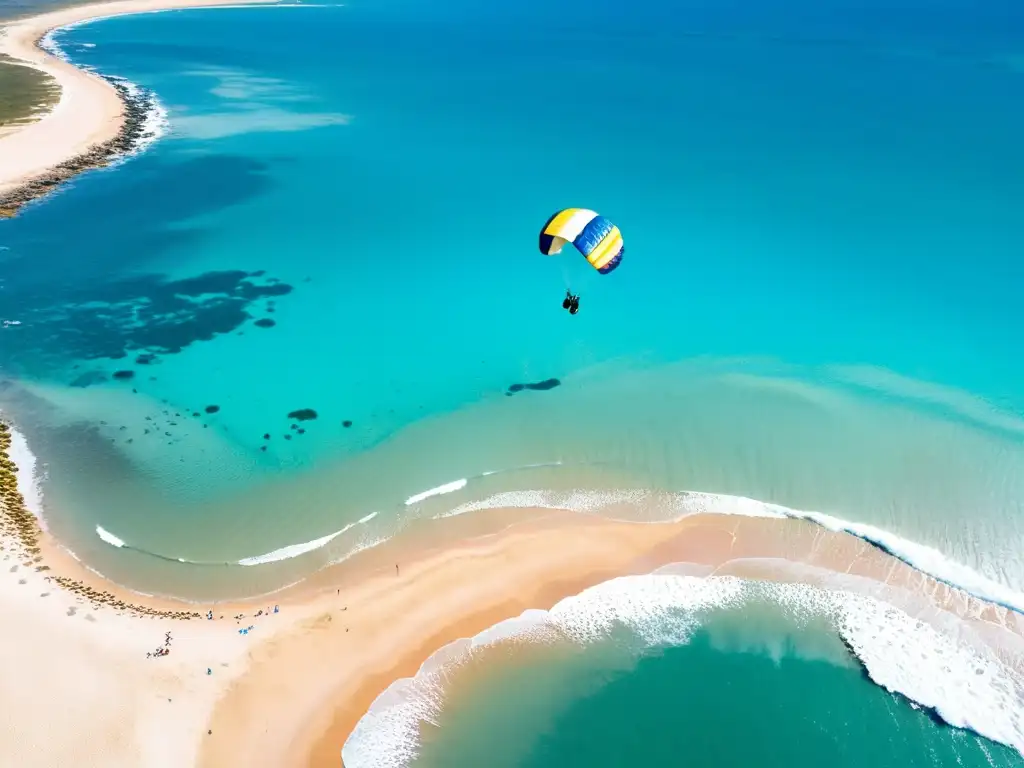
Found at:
(571, 302)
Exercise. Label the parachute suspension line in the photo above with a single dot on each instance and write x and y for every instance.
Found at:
(565, 274)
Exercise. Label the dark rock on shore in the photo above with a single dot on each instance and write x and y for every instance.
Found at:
(135, 109)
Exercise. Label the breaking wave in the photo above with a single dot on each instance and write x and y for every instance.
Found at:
(282, 553)
(963, 684)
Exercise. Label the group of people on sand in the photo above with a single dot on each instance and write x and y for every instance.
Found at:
(261, 612)
(163, 650)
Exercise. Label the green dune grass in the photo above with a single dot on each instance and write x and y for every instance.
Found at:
(24, 92)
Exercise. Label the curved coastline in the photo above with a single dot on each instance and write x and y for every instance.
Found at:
(96, 119)
(470, 557)
(348, 633)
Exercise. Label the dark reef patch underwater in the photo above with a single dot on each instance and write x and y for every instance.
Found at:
(146, 315)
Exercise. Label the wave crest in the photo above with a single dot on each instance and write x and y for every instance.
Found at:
(963, 684)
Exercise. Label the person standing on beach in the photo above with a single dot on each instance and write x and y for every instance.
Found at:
(396, 569)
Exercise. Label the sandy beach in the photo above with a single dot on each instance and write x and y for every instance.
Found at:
(289, 689)
(89, 114)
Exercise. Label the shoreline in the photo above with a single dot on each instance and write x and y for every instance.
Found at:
(96, 120)
(348, 632)
(536, 564)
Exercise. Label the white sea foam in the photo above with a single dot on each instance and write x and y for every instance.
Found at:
(155, 123)
(155, 119)
(675, 506)
(108, 537)
(294, 550)
(964, 685)
(455, 485)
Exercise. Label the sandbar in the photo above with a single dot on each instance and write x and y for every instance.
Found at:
(89, 115)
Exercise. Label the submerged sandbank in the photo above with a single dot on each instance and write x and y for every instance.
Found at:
(95, 119)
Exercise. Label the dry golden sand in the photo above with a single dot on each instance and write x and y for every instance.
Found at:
(290, 693)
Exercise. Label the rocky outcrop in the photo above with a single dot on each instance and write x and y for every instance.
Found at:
(136, 109)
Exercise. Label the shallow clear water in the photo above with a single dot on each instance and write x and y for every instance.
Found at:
(800, 233)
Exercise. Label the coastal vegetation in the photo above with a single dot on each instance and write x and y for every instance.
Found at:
(19, 526)
(25, 93)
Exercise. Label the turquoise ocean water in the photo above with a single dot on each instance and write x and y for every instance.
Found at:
(740, 692)
(817, 308)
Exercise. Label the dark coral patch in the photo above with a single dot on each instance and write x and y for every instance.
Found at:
(265, 322)
(346, 423)
(124, 375)
(212, 408)
(303, 414)
(145, 315)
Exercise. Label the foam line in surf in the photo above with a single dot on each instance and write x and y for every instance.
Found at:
(109, 538)
(674, 506)
(282, 553)
(963, 685)
(155, 121)
(455, 485)
(294, 550)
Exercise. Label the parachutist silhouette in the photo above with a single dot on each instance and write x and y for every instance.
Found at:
(571, 302)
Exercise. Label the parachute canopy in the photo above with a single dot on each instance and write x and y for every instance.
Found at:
(593, 235)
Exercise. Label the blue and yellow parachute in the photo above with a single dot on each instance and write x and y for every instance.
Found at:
(593, 235)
